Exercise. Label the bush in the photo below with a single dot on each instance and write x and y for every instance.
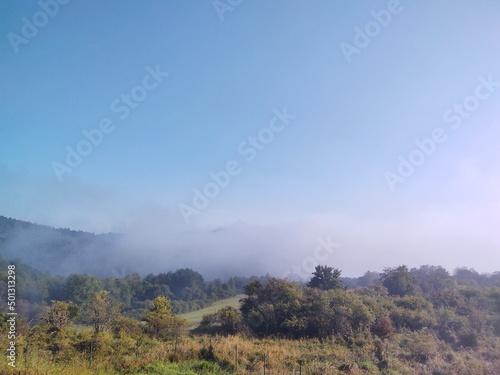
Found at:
(469, 340)
(124, 326)
(382, 328)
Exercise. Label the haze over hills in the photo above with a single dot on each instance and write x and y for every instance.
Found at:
(60, 251)
(240, 248)
(237, 249)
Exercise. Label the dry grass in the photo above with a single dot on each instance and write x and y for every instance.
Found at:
(405, 353)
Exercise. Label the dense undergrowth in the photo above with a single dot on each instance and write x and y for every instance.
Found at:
(405, 353)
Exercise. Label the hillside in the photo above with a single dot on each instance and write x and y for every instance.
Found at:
(59, 251)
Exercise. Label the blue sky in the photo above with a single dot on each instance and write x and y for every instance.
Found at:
(325, 174)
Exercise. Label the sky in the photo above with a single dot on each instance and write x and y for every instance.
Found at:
(258, 129)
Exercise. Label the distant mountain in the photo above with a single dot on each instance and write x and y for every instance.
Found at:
(60, 251)
(155, 245)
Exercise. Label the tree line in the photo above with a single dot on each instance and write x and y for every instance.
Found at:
(186, 289)
(454, 307)
(458, 306)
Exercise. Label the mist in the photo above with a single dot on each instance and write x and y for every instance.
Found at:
(147, 236)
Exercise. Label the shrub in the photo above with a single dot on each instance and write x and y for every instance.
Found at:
(469, 340)
(382, 328)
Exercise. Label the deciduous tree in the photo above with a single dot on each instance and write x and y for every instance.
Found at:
(59, 314)
(102, 311)
(399, 281)
(160, 321)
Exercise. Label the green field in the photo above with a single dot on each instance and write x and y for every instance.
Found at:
(194, 317)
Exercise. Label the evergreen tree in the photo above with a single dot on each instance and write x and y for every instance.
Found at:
(326, 278)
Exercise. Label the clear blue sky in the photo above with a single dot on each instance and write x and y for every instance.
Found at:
(325, 174)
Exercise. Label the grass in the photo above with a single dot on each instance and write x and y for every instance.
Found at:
(187, 355)
(194, 317)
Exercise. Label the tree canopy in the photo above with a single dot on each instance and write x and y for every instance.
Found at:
(326, 278)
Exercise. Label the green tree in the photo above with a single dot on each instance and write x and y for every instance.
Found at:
(432, 279)
(225, 321)
(399, 281)
(413, 313)
(80, 289)
(334, 312)
(369, 278)
(268, 306)
(326, 278)
(229, 319)
(467, 276)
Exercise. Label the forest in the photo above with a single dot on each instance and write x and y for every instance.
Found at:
(400, 321)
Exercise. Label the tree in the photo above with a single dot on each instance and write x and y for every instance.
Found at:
(399, 281)
(103, 311)
(58, 315)
(182, 279)
(432, 278)
(80, 289)
(124, 327)
(229, 319)
(334, 312)
(224, 321)
(326, 278)
(160, 321)
(267, 307)
(413, 313)
(369, 278)
(468, 276)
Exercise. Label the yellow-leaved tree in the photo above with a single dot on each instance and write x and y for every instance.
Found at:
(161, 322)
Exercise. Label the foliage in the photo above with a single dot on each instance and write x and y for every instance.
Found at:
(59, 314)
(447, 324)
(102, 311)
(382, 328)
(399, 281)
(432, 279)
(281, 307)
(267, 307)
(80, 289)
(326, 278)
(225, 321)
(160, 321)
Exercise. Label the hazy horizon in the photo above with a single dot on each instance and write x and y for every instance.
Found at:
(240, 137)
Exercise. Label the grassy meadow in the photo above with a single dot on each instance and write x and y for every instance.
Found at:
(194, 317)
